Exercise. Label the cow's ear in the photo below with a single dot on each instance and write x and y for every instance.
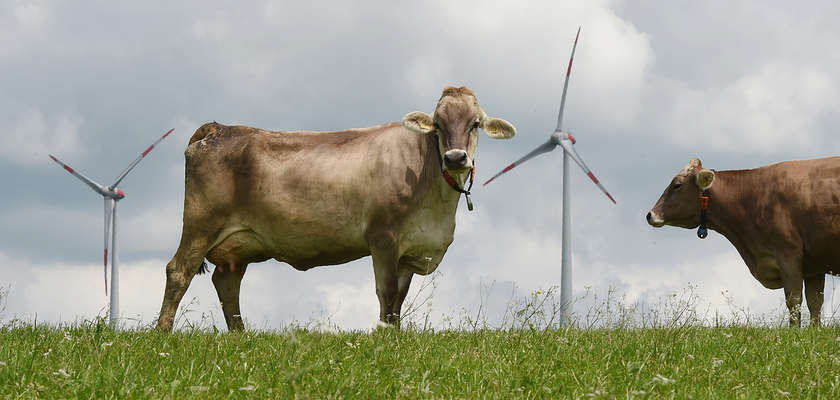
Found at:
(497, 128)
(419, 122)
(705, 178)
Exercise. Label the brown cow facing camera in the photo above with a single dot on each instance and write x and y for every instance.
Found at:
(323, 198)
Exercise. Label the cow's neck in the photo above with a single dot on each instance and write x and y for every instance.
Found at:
(448, 196)
(727, 213)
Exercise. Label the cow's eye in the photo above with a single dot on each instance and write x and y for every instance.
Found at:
(475, 125)
(677, 186)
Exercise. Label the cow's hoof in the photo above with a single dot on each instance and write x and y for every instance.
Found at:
(385, 326)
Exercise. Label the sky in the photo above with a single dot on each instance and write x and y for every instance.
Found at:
(737, 84)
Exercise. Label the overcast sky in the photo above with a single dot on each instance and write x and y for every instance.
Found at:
(738, 84)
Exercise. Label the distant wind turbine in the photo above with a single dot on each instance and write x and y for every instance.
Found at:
(566, 141)
(111, 195)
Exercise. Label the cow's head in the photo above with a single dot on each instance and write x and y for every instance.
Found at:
(456, 121)
(680, 203)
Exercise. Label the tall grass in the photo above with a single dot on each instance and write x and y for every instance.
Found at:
(540, 310)
(612, 349)
(90, 360)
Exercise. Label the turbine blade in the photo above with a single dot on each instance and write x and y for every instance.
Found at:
(569, 148)
(140, 157)
(543, 148)
(109, 205)
(93, 185)
(566, 84)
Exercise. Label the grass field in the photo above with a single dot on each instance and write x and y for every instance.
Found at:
(92, 361)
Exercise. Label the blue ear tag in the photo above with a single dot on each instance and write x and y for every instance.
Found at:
(702, 232)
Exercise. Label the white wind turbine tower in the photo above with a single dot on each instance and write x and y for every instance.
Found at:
(111, 195)
(567, 141)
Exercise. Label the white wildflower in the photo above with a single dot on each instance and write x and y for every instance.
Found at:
(62, 372)
(249, 388)
(163, 354)
(663, 380)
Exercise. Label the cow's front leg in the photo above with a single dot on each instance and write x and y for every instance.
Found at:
(793, 298)
(814, 287)
(791, 273)
(403, 282)
(385, 260)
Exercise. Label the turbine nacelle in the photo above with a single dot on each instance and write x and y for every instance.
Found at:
(115, 193)
(559, 136)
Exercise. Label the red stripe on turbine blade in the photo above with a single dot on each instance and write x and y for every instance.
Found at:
(592, 176)
(70, 170)
(53, 158)
(147, 151)
(106, 257)
(611, 198)
(572, 58)
(167, 133)
(509, 167)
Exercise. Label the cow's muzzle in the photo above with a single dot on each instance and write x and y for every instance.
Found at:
(456, 160)
(655, 220)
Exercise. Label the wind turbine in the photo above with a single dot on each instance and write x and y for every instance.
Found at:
(566, 141)
(111, 195)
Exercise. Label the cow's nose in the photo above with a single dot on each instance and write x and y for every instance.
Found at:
(648, 217)
(455, 159)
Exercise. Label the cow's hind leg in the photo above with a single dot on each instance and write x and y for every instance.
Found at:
(227, 283)
(180, 270)
(814, 287)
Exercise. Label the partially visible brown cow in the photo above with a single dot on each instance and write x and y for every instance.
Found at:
(324, 198)
(784, 220)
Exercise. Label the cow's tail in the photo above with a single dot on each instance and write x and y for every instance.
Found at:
(202, 269)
